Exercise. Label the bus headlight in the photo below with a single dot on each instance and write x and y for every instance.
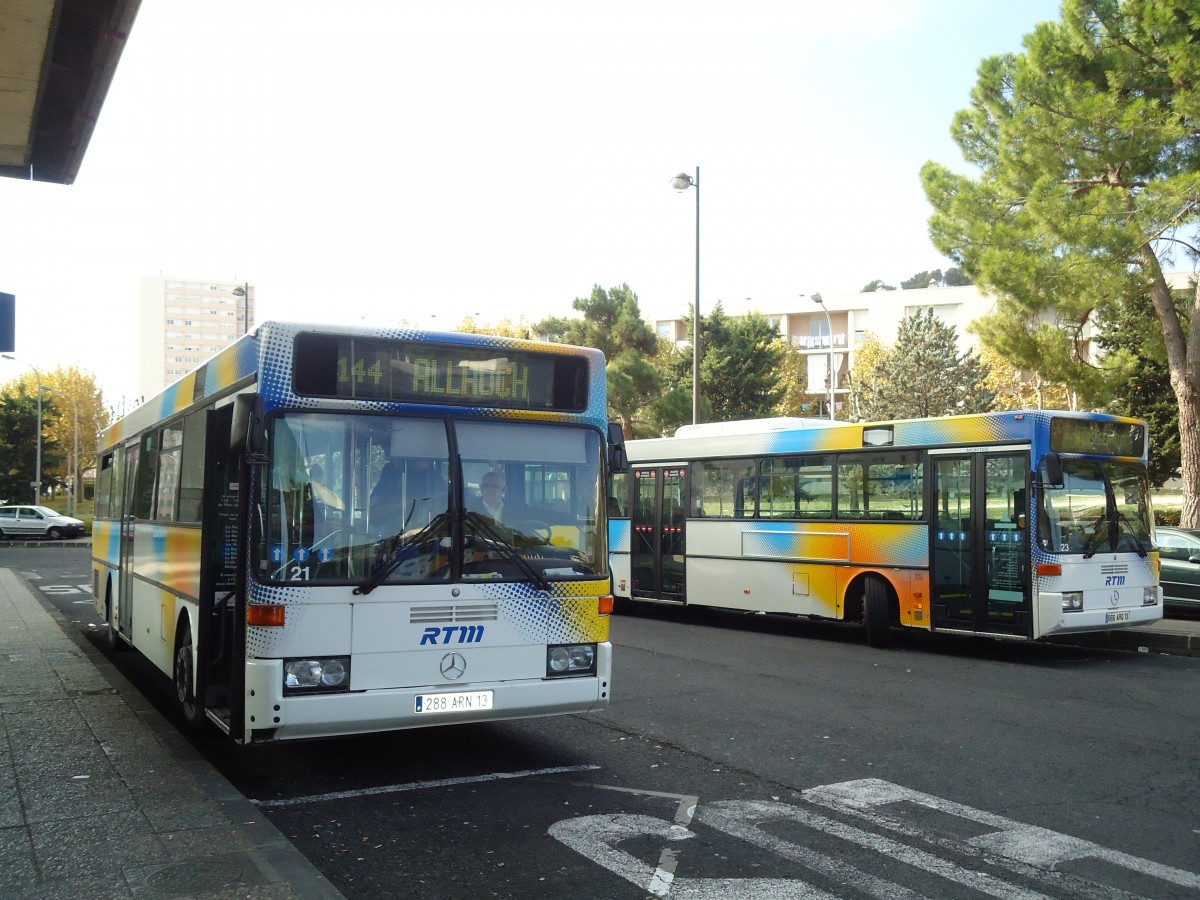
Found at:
(570, 659)
(322, 675)
(1072, 601)
(1149, 596)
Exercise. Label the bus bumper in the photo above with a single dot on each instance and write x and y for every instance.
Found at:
(272, 717)
(1098, 614)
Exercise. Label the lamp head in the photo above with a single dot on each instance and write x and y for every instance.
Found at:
(682, 181)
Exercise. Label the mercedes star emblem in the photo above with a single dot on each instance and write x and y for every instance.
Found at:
(453, 666)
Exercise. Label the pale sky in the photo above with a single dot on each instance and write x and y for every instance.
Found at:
(376, 160)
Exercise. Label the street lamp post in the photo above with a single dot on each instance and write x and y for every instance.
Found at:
(682, 182)
(817, 299)
(37, 469)
(244, 292)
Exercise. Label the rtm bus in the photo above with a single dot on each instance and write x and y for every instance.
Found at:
(1014, 525)
(294, 533)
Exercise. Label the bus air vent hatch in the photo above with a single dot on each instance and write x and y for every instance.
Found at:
(453, 612)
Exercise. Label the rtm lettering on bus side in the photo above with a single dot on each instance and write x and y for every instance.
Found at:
(1114, 580)
(467, 634)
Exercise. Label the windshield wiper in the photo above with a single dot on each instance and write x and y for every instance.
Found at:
(381, 574)
(481, 524)
(1088, 550)
(1141, 548)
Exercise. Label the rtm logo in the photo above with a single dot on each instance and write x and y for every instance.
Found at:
(1114, 581)
(467, 634)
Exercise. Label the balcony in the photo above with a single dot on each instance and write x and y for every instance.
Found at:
(817, 341)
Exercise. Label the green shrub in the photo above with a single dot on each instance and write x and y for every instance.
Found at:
(1167, 516)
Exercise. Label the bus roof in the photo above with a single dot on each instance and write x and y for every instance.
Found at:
(266, 354)
(767, 436)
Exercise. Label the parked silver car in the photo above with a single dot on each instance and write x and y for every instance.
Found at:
(37, 521)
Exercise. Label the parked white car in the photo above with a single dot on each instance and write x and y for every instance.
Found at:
(37, 521)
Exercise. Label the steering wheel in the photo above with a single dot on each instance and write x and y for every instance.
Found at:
(535, 527)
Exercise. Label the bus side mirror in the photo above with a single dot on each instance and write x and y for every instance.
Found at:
(1054, 472)
(618, 459)
(246, 435)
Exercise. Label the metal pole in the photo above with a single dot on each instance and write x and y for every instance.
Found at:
(696, 313)
(37, 470)
(244, 292)
(832, 376)
(75, 461)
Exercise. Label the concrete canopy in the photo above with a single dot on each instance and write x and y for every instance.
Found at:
(57, 59)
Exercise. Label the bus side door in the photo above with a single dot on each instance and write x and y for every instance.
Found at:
(980, 542)
(657, 539)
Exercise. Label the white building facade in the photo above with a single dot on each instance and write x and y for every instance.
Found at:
(804, 325)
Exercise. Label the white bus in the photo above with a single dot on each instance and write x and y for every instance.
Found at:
(295, 534)
(1013, 525)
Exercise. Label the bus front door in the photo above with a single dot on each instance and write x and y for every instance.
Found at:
(980, 577)
(657, 534)
(125, 590)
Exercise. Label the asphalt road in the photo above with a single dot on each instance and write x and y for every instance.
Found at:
(745, 756)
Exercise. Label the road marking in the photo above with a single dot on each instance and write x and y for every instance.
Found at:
(1027, 852)
(1038, 848)
(421, 786)
(65, 589)
(596, 837)
(744, 820)
(664, 875)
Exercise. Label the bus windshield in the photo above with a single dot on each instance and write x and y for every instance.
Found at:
(370, 500)
(1102, 506)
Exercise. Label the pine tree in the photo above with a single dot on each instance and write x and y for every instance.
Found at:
(1088, 173)
(925, 375)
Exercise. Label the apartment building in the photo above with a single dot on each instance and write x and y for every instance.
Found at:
(185, 321)
(833, 340)
(831, 335)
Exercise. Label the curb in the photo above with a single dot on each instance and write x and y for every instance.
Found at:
(1175, 643)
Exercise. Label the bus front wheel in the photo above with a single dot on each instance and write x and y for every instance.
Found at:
(877, 613)
(112, 640)
(193, 711)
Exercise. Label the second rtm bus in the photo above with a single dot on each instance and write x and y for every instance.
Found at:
(1016, 525)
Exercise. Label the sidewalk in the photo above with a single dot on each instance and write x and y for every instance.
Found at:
(100, 797)
(1177, 637)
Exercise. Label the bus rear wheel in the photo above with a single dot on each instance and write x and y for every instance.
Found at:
(193, 711)
(877, 613)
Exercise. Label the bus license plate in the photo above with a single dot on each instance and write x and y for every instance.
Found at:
(462, 701)
(1116, 617)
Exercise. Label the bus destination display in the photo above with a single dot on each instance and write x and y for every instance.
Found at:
(424, 372)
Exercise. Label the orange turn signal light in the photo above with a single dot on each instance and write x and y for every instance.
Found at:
(1049, 569)
(264, 614)
(605, 605)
